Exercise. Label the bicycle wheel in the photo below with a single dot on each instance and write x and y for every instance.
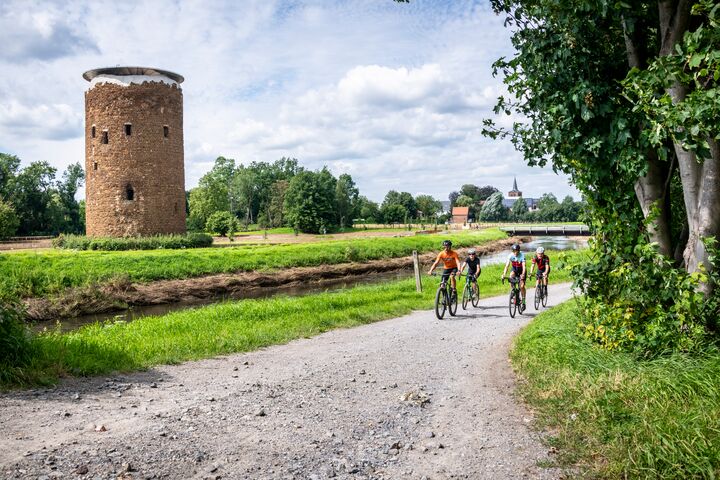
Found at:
(467, 293)
(475, 295)
(440, 303)
(452, 303)
(512, 304)
(538, 296)
(544, 297)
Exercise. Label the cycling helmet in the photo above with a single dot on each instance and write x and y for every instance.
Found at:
(447, 243)
(515, 247)
(540, 250)
(471, 251)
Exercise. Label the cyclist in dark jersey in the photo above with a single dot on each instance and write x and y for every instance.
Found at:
(542, 262)
(473, 264)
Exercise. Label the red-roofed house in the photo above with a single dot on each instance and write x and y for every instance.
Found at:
(460, 215)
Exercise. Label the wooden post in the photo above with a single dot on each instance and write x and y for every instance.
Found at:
(416, 265)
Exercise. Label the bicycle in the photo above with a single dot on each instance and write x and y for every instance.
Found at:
(470, 292)
(540, 292)
(515, 302)
(444, 299)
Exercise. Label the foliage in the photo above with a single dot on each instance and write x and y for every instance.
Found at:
(428, 206)
(519, 209)
(614, 416)
(494, 210)
(393, 213)
(369, 211)
(643, 304)
(25, 274)
(309, 201)
(42, 204)
(172, 242)
(346, 201)
(9, 220)
(221, 223)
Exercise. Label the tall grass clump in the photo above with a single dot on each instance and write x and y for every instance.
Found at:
(81, 242)
(614, 415)
(15, 344)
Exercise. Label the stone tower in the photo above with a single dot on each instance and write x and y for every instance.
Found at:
(134, 157)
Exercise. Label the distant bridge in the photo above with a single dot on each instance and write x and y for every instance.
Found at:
(555, 230)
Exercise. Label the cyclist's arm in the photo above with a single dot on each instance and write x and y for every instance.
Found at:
(532, 267)
(432, 268)
(507, 264)
(547, 267)
(523, 270)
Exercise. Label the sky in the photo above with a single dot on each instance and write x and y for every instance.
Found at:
(392, 93)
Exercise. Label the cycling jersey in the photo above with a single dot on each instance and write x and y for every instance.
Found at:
(472, 264)
(517, 260)
(541, 263)
(450, 259)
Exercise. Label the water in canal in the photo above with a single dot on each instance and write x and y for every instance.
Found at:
(133, 313)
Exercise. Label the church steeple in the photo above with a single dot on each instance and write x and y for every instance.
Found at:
(515, 193)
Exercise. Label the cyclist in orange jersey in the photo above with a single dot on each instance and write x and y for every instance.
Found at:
(451, 263)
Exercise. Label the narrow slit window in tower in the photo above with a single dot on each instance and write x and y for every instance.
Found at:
(176, 208)
(129, 193)
(95, 166)
(128, 129)
(92, 131)
(166, 131)
(105, 137)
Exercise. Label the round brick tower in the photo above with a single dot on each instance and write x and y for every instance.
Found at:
(134, 158)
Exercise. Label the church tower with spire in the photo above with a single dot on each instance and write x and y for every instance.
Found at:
(514, 193)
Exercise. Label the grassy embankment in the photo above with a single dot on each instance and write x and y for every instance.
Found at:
(229, 327)
(32, 274)
(615, 416)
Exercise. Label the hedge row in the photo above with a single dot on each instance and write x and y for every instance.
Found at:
(80, 242)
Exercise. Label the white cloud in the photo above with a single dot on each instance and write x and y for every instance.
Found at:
(392, 93)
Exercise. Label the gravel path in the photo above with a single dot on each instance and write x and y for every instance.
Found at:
(411, 397)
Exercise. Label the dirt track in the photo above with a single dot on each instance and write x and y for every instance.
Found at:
(116, 295)
(411, 397)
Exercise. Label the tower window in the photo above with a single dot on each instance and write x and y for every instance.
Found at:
(166, 131)
(176, 208)
(105, 137)
(95, 165)
(129, 193)
(128, 129)
(92, 131)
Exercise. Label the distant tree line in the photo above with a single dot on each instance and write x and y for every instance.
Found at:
(34, 202)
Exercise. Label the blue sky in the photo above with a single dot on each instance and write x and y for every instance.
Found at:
(393, 94)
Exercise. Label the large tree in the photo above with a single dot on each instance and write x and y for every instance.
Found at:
(622, 97)
(309, 201)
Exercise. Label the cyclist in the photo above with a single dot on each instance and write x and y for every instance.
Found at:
(473, 264)
(542, 262)
(517, 260)
(451, 262)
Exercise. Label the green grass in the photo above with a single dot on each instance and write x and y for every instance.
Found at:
(229, 327)
(615, 416)
(30, 274)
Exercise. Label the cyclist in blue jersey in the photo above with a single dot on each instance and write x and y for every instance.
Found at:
(517, 260)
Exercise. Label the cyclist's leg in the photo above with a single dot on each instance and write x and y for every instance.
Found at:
(452, 277)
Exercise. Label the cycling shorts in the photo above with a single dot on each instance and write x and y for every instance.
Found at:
(518, 271)
(447, 272)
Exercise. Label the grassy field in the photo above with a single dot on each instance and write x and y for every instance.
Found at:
(28, 274)
(228, 328)
(615, 416)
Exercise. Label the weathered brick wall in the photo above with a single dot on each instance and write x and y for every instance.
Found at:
(146, 160)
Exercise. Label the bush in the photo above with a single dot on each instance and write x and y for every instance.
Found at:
(80, 242)
(645, 304)
(221, 223)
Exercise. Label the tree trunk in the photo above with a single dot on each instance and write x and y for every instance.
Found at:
(700, 177)
(652, 193)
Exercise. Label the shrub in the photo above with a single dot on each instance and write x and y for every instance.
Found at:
(221, 223)
(645, 304)
(80, 242)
